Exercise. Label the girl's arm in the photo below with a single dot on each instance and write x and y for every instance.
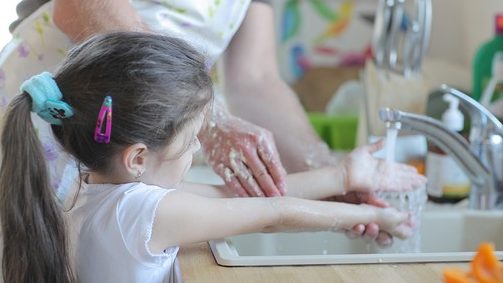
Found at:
(183, 218)
(359, 172)
(315, 184)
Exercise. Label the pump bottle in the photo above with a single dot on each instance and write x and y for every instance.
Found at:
(447, 183)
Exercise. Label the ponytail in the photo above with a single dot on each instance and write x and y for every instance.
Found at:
(34, 240)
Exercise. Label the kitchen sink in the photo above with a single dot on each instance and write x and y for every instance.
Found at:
(445, 236)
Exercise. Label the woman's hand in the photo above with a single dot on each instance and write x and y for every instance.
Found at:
(244, 155)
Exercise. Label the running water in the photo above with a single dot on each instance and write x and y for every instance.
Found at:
(390, 145)
(411, 202)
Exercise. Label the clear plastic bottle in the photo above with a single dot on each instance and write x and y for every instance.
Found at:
(447, 183)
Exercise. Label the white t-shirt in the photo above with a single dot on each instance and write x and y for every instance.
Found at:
(109, 230)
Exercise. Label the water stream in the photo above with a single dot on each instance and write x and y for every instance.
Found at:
(411, 202)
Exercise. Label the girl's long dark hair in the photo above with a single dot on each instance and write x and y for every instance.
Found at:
(34, 241)
(158, 84)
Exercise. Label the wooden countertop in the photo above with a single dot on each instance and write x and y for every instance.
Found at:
(198, 265)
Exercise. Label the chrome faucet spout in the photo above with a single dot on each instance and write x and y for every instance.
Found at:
(481, 159)
(450, 142)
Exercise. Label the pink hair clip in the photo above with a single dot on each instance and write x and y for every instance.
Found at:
(105, 116)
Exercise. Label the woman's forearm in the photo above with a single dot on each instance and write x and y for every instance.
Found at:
(297, 143)
(80, 19)
(254, 89)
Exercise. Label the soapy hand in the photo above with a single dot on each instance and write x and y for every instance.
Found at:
(244, 155)
(370, 231)
(393, 222)
(387, 222)
(364, 173)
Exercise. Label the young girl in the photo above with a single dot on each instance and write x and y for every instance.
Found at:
(128, 107)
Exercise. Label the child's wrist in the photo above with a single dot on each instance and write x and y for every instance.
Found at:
(341, 179)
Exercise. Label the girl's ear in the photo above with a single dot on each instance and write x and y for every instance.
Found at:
(134, 159)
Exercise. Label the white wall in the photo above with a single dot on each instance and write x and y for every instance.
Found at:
(460, 26)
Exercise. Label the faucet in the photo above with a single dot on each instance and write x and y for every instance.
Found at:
(401, 34)
(481, 159)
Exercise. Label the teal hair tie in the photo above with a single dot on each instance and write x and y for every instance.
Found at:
(46, 98)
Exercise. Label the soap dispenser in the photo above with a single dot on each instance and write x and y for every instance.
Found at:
(447, 183)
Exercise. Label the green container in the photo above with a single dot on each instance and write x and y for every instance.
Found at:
(319, 121)
(482, 62)
(338, 132)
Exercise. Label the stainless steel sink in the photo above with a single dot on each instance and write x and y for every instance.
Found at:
(446, 236)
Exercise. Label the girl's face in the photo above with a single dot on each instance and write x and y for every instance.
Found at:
(169, 165)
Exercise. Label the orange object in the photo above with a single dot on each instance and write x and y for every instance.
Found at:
(455, 275)
(485, 268)
(485, 265)
(418, 163)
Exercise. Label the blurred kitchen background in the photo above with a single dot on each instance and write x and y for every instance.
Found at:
(335, 33)
(324, 43)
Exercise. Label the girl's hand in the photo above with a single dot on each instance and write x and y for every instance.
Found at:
(369, 231)
(386, 224)
(393, 222)
(244, 156)
(364, 173)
